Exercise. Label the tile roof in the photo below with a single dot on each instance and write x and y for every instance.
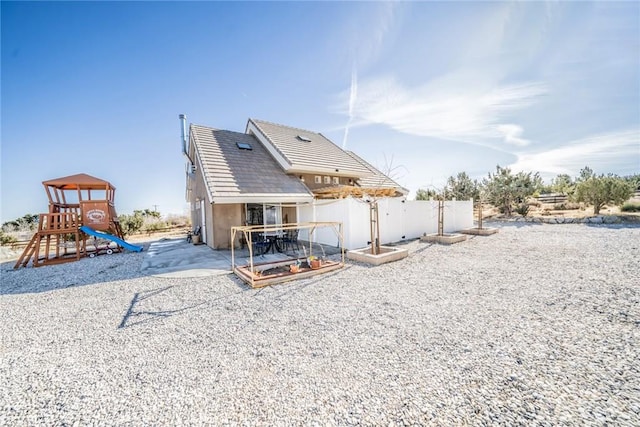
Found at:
(236, 175)
(317, 155)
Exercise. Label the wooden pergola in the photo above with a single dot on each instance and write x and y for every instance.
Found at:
(254, 273)
(343, 191)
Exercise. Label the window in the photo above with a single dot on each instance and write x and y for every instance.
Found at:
(327, 180)
(336, 180)
(303, 138)
(318, 179)
(258, 214)
(272, 215)
(244, 146)
(255, 214)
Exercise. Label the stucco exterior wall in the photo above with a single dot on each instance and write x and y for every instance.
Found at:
(310, 181)
(225, 217)
(198, 192)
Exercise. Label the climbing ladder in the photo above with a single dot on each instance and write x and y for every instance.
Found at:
(49, 244)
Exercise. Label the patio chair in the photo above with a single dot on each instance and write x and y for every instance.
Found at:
(290, 240)
(260, 244)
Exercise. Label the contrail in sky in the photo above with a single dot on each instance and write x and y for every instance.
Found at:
(353, 97)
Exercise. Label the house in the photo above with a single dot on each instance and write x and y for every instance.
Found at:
(266, 174)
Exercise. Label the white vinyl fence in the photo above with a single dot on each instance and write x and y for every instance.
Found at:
(399, 219)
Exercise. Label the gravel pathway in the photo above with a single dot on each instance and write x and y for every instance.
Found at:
(536, 325)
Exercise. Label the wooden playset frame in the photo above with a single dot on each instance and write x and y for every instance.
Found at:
(71, 205)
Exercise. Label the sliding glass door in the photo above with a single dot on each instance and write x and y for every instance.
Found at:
(259, 214)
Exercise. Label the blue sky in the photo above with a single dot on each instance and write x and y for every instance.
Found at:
(426, 88)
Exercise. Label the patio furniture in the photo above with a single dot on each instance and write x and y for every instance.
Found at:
(261, 244)
(273, 239)
(290, 239)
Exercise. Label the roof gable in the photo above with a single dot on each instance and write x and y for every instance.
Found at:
(232, 172)
(302, 151)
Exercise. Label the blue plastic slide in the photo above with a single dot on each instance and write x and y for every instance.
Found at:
(120, 242)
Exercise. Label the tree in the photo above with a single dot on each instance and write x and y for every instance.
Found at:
(461, 187)
(6, 239)
(147, 213)
(28, 222)
(634, 180)
(563, 184)
(600, 190)
(422, 194)
(131, 223)
(505, 190)
(585, 173)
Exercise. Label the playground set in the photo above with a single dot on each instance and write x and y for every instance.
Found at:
(81, 208)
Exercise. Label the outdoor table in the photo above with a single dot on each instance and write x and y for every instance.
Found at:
(273, 238)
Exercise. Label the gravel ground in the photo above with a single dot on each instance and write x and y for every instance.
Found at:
(536, 325)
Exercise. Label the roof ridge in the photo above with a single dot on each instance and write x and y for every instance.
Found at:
(203, 126)
(221, 130)
(284, 126)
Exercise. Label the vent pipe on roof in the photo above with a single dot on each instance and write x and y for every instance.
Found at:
(183, 126)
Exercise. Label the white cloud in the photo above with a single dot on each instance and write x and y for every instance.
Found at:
(367, 42)
(353, 97)
(449, 108)
(371, 28)
(602, 153)
(512, 135)
(468, 103)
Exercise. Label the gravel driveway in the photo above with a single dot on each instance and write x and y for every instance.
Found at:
(536, 325)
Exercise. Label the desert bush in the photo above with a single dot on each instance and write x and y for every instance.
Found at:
(504, 189)
(567, 206)
(563, 184)
(600, 190)
(178, 220)
(630, 207)
(423, 194)
(522, 209)
(6, 239)
(461, 187)
(130, 224)
(28, 222)
(154, 226)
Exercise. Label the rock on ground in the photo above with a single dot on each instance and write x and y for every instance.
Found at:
(535, 325)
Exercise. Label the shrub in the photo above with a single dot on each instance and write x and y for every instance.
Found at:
(154, 226)
(461, 187)
(6, 240)
(600, 190)
(178, 220)
(630, 207)
(522, 209)
(504, 189)
(130, 223)
(28, 222)
(567, 206)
